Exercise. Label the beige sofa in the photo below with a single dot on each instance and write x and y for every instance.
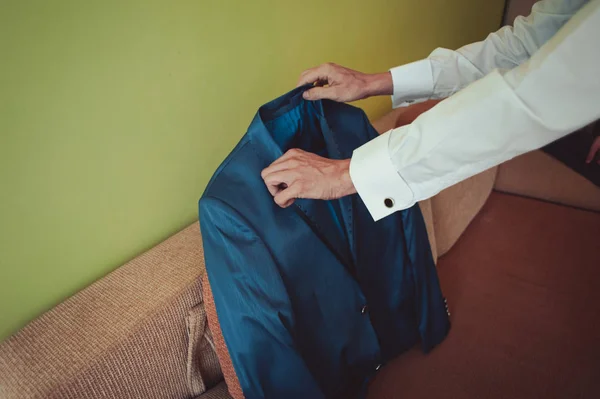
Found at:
(141, 331)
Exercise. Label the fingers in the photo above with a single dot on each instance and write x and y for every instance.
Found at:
(281, 178)
(276, 181)
(284, 162)
(312, 75)
(320, 93)
(321, 74)
(279, 181)
(283, 186)
(593, 150)
(287, 196)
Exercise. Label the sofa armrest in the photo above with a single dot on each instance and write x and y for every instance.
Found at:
(538, 175)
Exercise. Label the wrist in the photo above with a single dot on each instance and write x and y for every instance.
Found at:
(346, 186)
(379, 84)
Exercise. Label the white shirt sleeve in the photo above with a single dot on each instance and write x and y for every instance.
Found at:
(496, 118)
(445, 71)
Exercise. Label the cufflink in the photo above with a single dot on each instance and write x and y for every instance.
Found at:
(388, 202)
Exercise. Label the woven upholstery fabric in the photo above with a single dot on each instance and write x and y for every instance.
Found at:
(203, 369)
(427, 211)
(455, 207)
(124, 336)
(218, 392)
(538, 175)
(235, 389)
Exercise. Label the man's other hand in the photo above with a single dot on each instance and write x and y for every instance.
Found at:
(337, 83)
(595, 147)
(301, 174)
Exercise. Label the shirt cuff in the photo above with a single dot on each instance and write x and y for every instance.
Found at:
(413, 83)
(376, 180)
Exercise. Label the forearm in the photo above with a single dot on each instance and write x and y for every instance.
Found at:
(445, 71)
(501, 116)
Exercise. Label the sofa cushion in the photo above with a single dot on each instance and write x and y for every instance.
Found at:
(203, 369)
(218, 392)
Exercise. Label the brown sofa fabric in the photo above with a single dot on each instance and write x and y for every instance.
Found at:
(522, 288)
(218, 392)
(124, 336)
(538, 175)
(455, 207)
(426, 210)
(203, 369)
(235, 390)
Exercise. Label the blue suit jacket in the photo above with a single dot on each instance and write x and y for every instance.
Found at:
(312, 299)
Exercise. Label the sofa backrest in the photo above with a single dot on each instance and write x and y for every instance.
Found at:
(139, 332)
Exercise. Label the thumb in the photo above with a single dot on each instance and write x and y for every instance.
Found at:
(320, 93)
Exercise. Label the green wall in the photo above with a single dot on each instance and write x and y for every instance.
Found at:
(114, 114)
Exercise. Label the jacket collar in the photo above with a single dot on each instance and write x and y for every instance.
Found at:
(298, 112)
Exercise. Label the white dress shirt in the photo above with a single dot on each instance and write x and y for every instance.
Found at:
(518, 90)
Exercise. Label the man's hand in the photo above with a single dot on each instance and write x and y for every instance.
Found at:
(593, 150)
(341, 84)
(300, 174)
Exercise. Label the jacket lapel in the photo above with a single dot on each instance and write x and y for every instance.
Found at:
(319, 215)
(346, 203)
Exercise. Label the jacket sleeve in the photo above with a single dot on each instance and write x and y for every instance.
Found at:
(254, 310)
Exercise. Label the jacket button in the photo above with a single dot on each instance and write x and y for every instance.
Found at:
(364, 309)
(388, 202)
